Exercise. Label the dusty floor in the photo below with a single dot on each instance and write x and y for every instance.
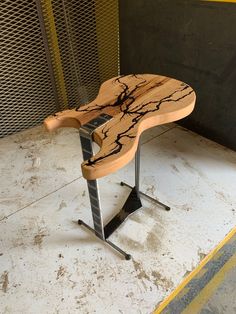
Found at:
(49, 264)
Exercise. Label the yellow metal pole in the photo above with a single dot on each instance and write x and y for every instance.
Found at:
(107, 28)
(230, 1)
(55, 51)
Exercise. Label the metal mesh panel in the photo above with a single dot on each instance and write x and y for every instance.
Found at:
(26, 96)
(87, 32)
(80, 43)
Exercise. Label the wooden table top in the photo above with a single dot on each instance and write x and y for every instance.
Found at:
(136, 103)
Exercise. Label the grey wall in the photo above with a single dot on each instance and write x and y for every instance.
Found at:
(193, 41)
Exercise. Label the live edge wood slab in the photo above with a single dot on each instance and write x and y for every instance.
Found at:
(136, 103)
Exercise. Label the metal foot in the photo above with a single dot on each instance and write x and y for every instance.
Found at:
(127, 256)
(167, 208)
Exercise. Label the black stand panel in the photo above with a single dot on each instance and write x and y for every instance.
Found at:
(132, 203)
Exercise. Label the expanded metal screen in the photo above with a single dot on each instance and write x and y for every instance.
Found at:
(25, 93)
(76, 39)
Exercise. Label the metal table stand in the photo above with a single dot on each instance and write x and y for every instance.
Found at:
(133, 201)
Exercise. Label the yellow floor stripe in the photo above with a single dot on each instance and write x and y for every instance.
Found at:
(196, 305)
(195, 272)
(230, 1)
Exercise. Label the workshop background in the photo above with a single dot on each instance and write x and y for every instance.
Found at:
(193, 41)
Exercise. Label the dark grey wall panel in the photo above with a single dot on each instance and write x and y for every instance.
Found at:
(193, 41)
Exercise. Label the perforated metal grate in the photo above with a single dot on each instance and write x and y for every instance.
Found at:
(26, 96)
(80, 43)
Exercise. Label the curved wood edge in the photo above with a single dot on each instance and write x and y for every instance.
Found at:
(81, 115)
(62, 119)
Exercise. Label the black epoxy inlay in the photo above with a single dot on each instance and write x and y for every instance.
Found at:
(124, 100)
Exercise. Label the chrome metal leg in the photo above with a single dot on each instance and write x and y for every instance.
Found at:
(137, 169)
(87, 149)
(137, 182)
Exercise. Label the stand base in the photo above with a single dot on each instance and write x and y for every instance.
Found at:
(132, 204)
(167, 208)
(127, 256)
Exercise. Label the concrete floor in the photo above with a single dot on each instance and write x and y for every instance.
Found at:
(49, 264)
(210, 288)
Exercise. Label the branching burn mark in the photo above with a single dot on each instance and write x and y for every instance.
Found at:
(124, 96)
(139, 112)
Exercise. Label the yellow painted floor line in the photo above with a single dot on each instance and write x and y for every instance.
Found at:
(226, 1)
(195, 272)
(205, 294)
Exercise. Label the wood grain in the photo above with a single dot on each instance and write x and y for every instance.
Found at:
(136, 103)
